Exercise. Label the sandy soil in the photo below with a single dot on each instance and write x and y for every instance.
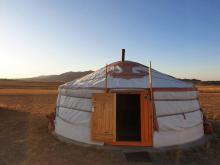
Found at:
(24, 137)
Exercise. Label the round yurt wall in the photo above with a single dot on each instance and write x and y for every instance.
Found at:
(179, 117)
(73, 114)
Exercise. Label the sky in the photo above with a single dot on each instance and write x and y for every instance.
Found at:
(43, 37)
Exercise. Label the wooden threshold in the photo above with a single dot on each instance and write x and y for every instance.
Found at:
(127, 143)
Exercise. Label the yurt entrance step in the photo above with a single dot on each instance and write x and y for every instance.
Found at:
(122, 119)
(128, 123)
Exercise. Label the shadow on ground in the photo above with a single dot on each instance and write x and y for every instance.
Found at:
(13, 137)
(24, 139)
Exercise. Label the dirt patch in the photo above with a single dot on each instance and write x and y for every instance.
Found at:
(25, 140)
(13, 137)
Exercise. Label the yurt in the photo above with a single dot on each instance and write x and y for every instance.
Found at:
(129, 104)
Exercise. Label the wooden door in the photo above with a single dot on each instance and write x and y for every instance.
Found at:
(146, 120)
(104, 117)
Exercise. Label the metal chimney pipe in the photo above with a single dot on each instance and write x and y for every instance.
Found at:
(123, 55)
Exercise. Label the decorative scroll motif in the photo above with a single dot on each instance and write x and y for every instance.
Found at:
(127, 70)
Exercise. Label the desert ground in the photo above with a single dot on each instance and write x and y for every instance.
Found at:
(25, 139)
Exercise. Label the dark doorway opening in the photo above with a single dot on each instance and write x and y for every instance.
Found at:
(128, 123)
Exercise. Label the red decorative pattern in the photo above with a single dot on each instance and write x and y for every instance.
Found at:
(125, 70)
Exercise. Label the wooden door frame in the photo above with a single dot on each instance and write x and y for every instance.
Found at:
(143, 141)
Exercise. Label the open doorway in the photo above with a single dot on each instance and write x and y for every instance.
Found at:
(128, 122)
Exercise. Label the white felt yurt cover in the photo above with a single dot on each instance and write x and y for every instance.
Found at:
(178, 113)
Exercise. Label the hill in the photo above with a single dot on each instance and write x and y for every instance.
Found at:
(70, 76)
(64, 77)
(200, 82)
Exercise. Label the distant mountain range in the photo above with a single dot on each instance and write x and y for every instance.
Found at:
(70, 76)
(64, 77)
(200, 82)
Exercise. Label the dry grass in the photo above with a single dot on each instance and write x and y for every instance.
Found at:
(209, 89)
(24, 138)
(28, 85)
(27, 91)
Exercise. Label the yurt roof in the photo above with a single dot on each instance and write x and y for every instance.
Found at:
(126, 74)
